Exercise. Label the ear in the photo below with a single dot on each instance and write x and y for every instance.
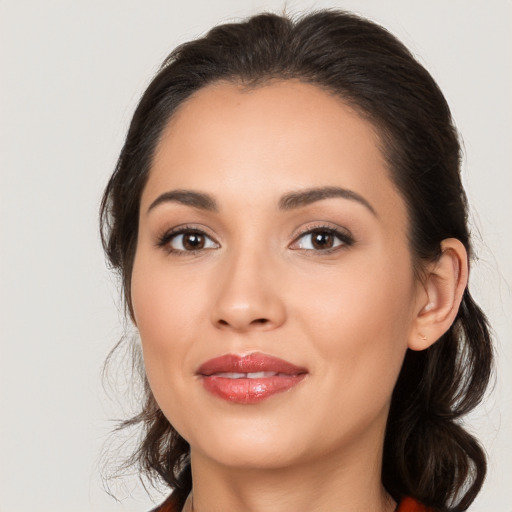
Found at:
(440, 295)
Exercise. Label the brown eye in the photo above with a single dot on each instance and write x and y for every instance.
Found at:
(190, 241)
(193, 241)
(322, 240)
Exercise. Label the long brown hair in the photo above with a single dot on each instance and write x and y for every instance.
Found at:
(427, 453)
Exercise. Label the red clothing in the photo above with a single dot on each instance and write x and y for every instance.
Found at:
(410, 505)
(407, 505)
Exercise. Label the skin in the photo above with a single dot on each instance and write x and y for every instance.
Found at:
(260, 285)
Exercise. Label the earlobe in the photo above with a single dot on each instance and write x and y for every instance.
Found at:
(443, 288)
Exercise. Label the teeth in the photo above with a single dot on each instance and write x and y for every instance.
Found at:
(252, 375)
(259, 375)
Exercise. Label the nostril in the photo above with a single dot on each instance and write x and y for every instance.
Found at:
(242, 325)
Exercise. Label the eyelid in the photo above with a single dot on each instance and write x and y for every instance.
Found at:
(342, 234)
(163, 240)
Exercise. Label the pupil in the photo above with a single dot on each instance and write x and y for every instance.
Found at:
(193, 241)
(322, 240)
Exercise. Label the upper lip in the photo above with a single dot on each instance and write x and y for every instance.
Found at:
(251, 363)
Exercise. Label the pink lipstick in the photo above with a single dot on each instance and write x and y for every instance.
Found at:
(249, 379)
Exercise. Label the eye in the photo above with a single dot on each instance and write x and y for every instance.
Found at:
(187, 240)
(322, 239)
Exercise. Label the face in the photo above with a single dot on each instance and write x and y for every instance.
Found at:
(272, 284)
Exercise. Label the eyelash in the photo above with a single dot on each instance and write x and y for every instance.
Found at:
(165, 240)
(345, 238)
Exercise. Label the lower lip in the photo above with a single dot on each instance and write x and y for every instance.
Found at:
(249, 391)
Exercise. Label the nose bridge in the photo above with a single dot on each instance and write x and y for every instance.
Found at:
(248, 289)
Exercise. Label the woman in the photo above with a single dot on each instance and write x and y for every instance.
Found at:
(290, 227)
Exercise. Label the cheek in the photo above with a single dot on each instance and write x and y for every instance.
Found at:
(164, 314)
(360, 320)
(167, 320)
(166, 299)
(368, 296)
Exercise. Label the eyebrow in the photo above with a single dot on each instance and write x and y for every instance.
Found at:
(289, 201)
(312, 195)
(186, 197)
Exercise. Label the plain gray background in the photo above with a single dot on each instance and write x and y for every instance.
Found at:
(70, 76)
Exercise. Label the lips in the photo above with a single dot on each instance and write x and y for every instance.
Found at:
(249, 379)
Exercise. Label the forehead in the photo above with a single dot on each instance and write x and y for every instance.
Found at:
(231, 141)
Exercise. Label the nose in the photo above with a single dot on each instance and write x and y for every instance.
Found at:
(249, 294)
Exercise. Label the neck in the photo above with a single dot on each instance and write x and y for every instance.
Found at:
(346, 483)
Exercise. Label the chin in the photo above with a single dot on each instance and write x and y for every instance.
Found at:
(252, 454)
(249, 445)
